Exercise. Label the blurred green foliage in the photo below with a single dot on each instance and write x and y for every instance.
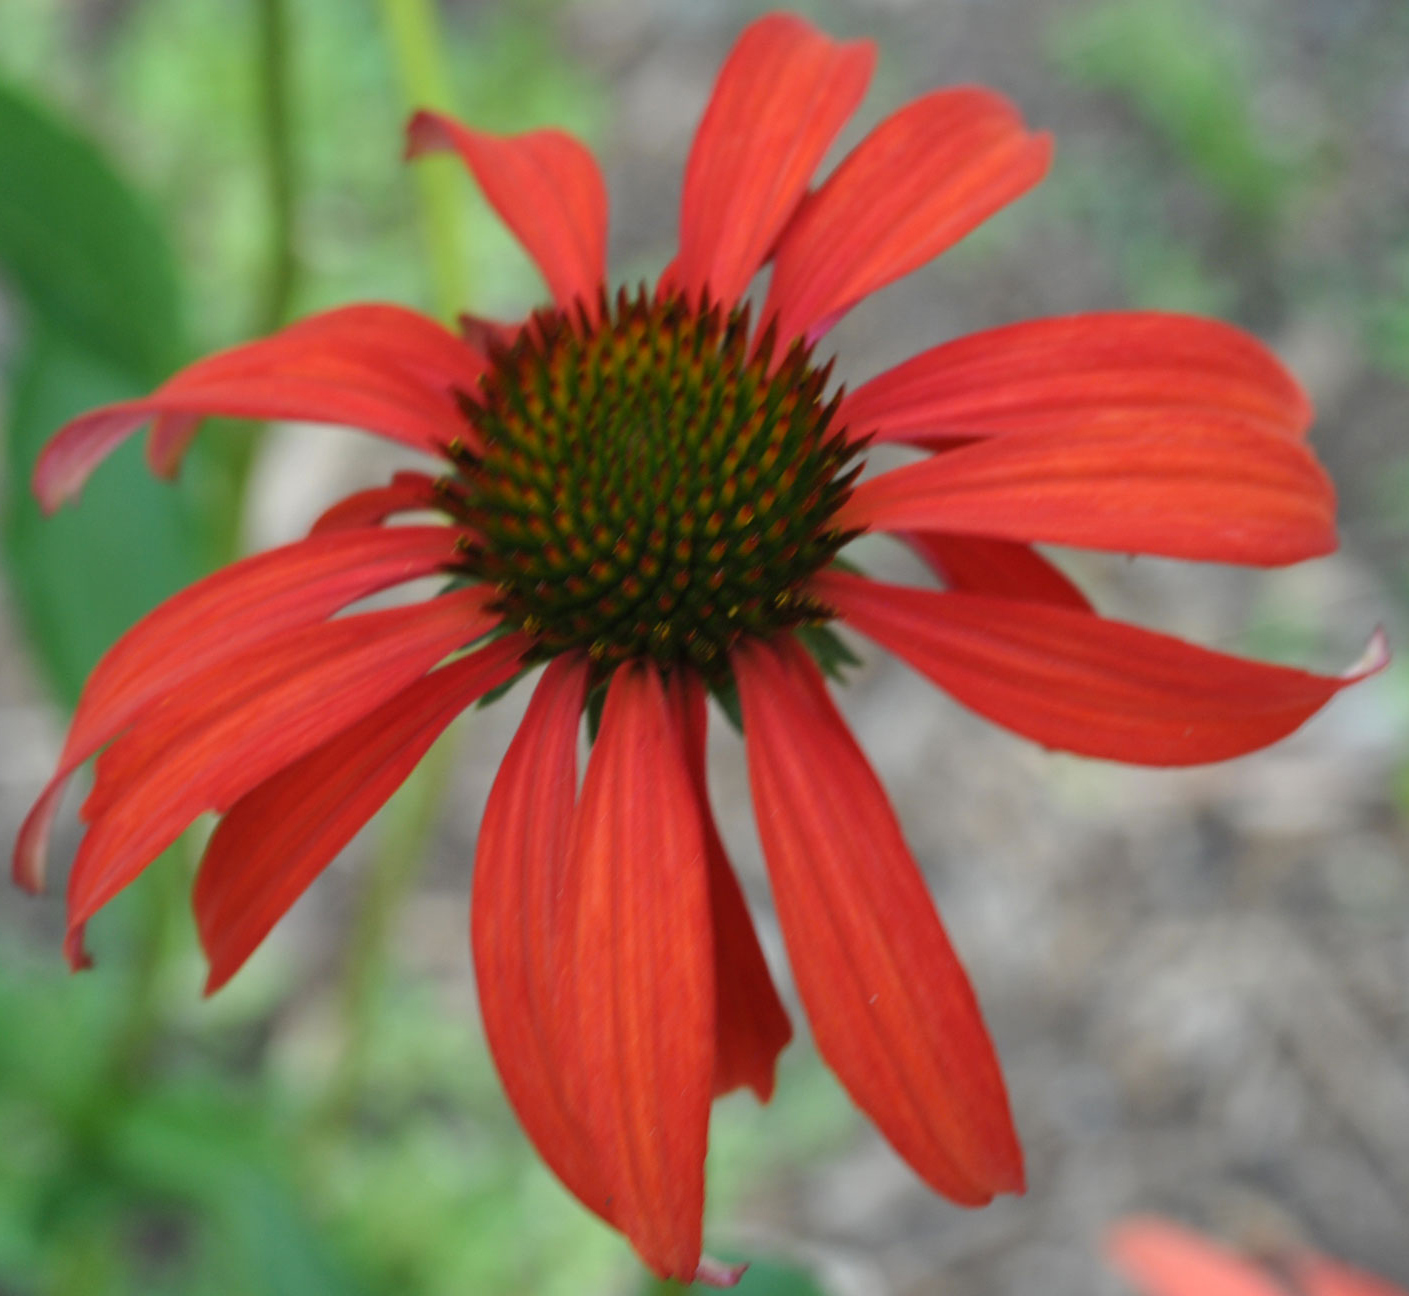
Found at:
(1186, 70)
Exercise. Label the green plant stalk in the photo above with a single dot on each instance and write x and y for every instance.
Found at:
(162, 899)
(413, 33)
(274, 76)
(281, 178)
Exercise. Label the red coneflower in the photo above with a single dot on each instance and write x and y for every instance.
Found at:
(648, 494)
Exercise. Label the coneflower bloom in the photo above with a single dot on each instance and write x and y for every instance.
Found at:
(1161, 1258)
(647, 491)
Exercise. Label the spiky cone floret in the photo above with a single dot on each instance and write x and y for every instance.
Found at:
(647, 494)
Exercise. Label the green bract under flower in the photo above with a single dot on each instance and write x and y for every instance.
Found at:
(653, 481)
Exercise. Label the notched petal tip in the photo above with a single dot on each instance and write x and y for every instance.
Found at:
(544, 185)
(1373, 660)
(714, 1273)
(425, 133)
(79, 960)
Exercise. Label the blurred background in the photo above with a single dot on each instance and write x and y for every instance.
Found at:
(1198, 980)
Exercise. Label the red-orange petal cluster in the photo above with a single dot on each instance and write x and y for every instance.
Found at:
(621, 980)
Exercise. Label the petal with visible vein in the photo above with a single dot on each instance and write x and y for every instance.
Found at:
(781, 97)
(231, 726)
(238, 606)
(1057, 375)
(637, 969)
(546, 188)
(1215, 490)
(1001, 568)
(890, 1005)
(520, 863)
(380, 368)
(751, 1025)
(277, 838)
(1083, 684)
(919, 182)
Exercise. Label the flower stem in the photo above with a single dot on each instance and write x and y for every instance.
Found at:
(160, 902)
(413, 32)
(281, 177)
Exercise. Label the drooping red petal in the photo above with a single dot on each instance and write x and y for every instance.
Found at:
(231, 610)
(409, 492)
(232, 726)
(167, 442)
(974, 565)
(1316, 1275)
(380, 368)
(277, 838)
(520, 864)
(751, 1025)
(1218, 491)
(890, 1005)
(1083, 684)
(638, 977)
(1162, 1259)
(918, 183)
(547, 190)
(410, 341)
(781, 97)
(1056, 375)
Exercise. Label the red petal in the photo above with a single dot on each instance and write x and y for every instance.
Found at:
(916, 184)
(403, 338)
(1057, 375)
(167, 442)
(1080, 683)
(781, 97)
(520, 864)
(891, 1008)
(1162, 1259)
(409, 492)
(236, 607)
(1001, 568)
(1317, 1276)
(751, 1025)
(380, 368)
(1218, 491)
(235, 724)
(547, 190)
(637, 975)
(277, 838)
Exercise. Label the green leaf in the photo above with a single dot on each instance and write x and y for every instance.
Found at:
(81, 247)
(84, 575)
(102, 322)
